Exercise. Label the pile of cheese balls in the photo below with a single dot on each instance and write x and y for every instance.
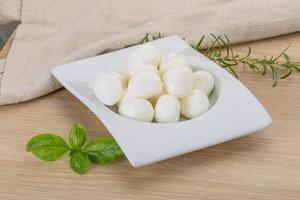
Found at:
(155, 86)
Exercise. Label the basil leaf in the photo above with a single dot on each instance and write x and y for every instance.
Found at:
(77, 136)
(102, 159)
(48, 147)
(103, 150)
(79, 162)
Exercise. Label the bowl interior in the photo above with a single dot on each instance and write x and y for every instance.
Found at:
(213, 97)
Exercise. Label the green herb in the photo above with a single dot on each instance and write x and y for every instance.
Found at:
(77, 136)
(103, 151)
(220, 51)
(79, 162)
(51, 147)
(47, 147)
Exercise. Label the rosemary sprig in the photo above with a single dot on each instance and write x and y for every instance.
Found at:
(220, 51)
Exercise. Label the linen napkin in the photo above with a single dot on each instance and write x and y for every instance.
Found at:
(60, 31)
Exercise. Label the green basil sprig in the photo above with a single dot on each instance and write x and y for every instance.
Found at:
(51, 147)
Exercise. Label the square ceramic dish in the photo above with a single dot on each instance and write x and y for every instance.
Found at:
(234, 111)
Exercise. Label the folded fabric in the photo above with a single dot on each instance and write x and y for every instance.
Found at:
(2, 65)
(10, 10)
(9, 18)
(60, 31)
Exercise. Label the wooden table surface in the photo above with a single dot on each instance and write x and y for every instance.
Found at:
(264, 165)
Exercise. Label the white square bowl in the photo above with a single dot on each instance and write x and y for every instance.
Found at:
(234, 111)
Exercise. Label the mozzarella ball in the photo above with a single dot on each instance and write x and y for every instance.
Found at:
(172, 63)
(167, 109)
(167, 57)
(134, 68)
(108, 88)
(123, 78)
(203, 81)
(194, 104)
(139, 109)
(154, 99)
(178, 82)
(146, 54)
(126, 96)
(145, 84)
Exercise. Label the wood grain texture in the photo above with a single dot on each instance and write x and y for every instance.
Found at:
(264, 165)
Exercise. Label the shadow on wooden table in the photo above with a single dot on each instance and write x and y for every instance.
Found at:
(196, 161)
(202, 160)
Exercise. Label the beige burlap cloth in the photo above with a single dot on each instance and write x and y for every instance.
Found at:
(54, 32)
